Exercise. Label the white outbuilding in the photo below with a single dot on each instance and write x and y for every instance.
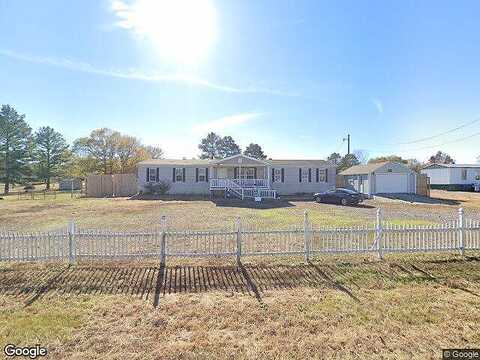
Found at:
(381, 178)
(464, 177)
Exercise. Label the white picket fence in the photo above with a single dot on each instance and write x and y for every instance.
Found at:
(76, 244)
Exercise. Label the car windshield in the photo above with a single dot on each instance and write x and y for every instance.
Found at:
(348, 191)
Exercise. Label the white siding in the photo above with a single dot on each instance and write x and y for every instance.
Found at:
(291, 184)
(451, 176)
(456, 175)
(190, 186)
(438, 176)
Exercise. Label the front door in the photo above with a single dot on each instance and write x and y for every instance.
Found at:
(246, 172)
(222, 173)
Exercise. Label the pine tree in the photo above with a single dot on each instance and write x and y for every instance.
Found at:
(51, 154)
(255, 151)
(15, 147)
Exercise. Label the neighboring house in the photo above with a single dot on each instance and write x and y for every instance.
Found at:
(239, 176)
(380, 178)
(453, 176)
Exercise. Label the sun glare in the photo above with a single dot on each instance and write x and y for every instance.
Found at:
(182, 30)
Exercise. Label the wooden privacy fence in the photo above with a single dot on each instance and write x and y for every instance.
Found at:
(423, 185)
(76, 244)
(111, 185)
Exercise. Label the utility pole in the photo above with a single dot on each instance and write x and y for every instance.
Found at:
(347, 139)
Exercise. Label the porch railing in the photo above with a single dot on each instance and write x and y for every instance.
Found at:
(251, 183)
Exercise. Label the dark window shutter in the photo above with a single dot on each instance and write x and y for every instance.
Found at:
(273, 175)
(196, 174)
(158, 175)
(300, 175)
(173, 179)
(318, 175)
(326, 175)
(148, 174)
(206, 174)
(235, 173)
(255, 173)
(183, 175)
(309, 175)
(283, 175)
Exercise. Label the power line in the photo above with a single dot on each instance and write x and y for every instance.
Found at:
(437, 135)
(433, 146)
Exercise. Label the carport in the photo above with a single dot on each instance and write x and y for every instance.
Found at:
(380, 178)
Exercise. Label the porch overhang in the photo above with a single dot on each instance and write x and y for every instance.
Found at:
(239, 160)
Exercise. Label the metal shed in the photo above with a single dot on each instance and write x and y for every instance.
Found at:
(381, 178)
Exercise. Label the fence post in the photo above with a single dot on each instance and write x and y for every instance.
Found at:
(239, 240)
(163, 240)
(378, 233)
(71, 242)
(306, 238)
(461, 231)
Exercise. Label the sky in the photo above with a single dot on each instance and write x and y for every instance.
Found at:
(401, 77)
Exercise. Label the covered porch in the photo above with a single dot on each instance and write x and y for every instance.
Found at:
(241, 175)
(241, 169)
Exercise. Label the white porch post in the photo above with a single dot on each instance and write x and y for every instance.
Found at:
(268, 174)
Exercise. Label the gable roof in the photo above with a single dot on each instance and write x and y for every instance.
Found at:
(364, 169)
(217, 161)
(207, 162)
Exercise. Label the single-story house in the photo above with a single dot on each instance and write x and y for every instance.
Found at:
(380, 178)
(453, 176)
(238, 176)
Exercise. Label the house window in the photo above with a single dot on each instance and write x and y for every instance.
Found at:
(202, 174)
(477, 177)
(464, 174)
(277, 175)
(152, 174)
(303, 175)
(322, 175)
(179, 174)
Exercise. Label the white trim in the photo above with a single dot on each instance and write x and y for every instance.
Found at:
(219, 161)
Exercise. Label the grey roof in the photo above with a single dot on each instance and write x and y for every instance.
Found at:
(364, 169)
(204, 162)
(304, 163)
(454, 165)
(185, 162)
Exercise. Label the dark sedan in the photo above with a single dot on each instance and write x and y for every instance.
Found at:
(339, 196)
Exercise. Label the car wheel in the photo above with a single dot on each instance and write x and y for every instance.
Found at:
(344, 202)
(318, 199)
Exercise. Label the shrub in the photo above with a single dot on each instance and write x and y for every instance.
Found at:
(160, 188)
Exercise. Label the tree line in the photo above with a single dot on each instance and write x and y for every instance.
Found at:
(350, 160)
(43, 155)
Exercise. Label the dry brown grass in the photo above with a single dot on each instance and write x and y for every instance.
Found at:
(122, 213)
(335, 308)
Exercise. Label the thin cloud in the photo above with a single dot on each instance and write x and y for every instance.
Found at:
(378, 105)
(84, 67)
(225, 122)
